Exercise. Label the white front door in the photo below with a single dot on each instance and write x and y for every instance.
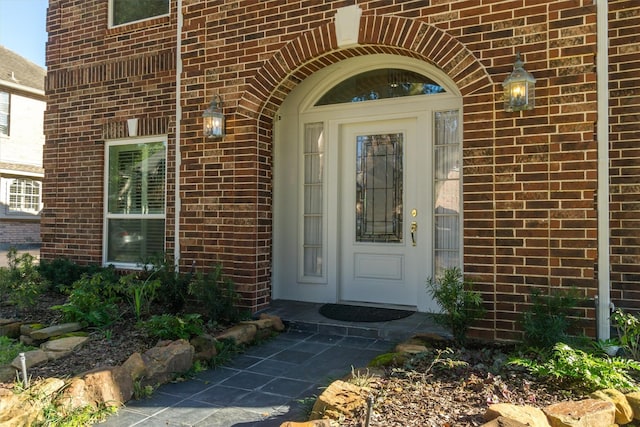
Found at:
(384, 214)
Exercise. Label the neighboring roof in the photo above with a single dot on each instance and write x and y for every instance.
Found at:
(17, 169)
(17, 70)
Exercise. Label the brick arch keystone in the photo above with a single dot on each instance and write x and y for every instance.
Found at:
(316, 49)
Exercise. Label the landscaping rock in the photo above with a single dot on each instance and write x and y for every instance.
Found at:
(340, 398)
(314, 423)
(135, 366)
(264, 327)
(240, 334)
(166, 360)
(19, 410)
(527, 415)
(276, 323)
(410, 348)
(111, 386)
(63, 347)
(583, 413)
(204, 347)
(7, 374)
(633, 399)
(504, 422)
(32, 358)
(10, 328)
(624, 413)
(55, 330)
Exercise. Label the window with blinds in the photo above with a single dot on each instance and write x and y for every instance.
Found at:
(5, 100)
(135, 217)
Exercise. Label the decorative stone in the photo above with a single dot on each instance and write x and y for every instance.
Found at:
(583, 413)
(62, 347)
(111, 386)
(27, 328)
(314, 423)
(263, 327)
(7, 374)
(204, 347)
(166, 360)
(240, 334)
(409, 348)
(32, 358)
(527, 415)
(18, 410)
(135, 366)
(276, 323)
(504, 422)
(624, 413)
(633, 399)
(340, 398)
(55, 330)
(10, 329)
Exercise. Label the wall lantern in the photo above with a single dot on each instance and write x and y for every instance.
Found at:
(519, 89)
(214, 119)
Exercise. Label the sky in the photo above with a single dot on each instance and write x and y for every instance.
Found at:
(23, 28)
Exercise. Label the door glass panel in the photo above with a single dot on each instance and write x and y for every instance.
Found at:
(313, 200)
(379, 192)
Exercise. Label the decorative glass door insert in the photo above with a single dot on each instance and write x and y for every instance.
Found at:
(379, 188)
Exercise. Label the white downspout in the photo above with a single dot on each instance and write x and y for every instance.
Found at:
(602, 132)
(177, 203)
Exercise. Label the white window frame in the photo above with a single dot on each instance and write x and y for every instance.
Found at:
(145, 215)
(7, 113)
(21, 210)
(112, 25)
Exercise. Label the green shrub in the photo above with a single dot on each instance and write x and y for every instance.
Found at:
(580, 370)
(62, 272)
(173, 289)
(169, 327)
(22, 282)
(549, 320)
(628, 327)
(141, 294)
(460, 304)
(93, 300)
(217, 294)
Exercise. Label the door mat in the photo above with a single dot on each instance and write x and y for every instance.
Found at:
(357, 313)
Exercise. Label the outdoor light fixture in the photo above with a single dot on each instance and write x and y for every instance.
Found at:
(519, 89)
(214, 119)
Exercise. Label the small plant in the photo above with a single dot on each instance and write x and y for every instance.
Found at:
(23, 283)
(62, 272)
(217, 294)
(93, 300)
(460, 304)
(225, 349)
(549, 320)
(581, 370)
(609, 347)
(142, 391)
(169, 327)
(10, 349)
(173, 289)
(628, 327)
(140, 293)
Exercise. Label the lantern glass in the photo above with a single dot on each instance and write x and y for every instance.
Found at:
(519, 89)
(213, 123)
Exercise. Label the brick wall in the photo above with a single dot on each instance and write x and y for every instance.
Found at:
(19, 233)
(529, 178)
(624, 57)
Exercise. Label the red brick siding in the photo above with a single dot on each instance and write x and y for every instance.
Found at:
(529, 178)
(624, 103)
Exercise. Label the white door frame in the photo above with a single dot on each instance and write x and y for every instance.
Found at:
(287, 281)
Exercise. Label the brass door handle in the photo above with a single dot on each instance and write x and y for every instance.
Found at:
(414, 230)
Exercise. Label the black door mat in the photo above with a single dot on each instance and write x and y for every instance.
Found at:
(357, 313)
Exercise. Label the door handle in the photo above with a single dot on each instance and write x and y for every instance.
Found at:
(414, 230)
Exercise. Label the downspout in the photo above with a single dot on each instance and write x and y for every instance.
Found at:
(177, 203)
(602, 133)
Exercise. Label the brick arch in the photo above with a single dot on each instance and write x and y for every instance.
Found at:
(394, 35)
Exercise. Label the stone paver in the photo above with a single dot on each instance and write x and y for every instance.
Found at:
(262, 387)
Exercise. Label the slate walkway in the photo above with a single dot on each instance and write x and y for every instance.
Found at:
(275, 381)
(264, 386)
